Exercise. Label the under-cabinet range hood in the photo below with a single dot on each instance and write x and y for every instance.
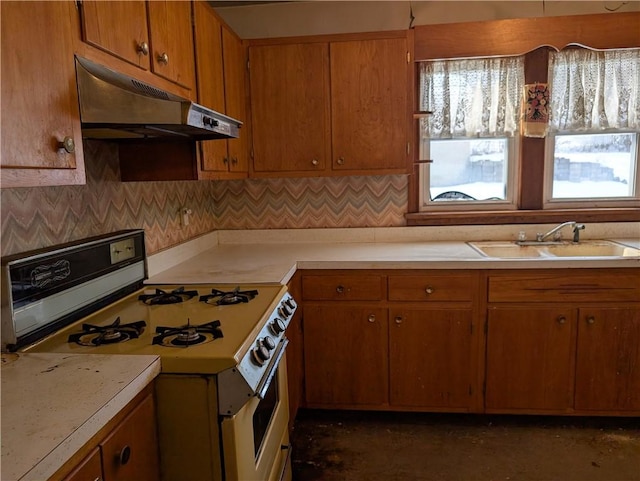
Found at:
(115, 106)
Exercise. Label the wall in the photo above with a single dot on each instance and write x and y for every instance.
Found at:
(42, 216)
(288, 19)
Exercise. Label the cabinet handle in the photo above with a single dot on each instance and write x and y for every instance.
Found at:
(125, 455)
(398, 320)
(340, 160)
(562, 319)
(314, 162)
(163, 58)
(372, 318)
(67, 144)
(143, 48)
(591, 320)
(429, 290)
(234, 160)
(225, 161)
(340, 289)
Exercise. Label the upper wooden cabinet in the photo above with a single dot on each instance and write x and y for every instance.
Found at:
(290, 107)
(332, 107)
(221, 73)
(41, 136)
(154, 36)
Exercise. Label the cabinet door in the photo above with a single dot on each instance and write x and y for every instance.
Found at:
(90, 469)
(172, 41)
(208, 41)
(39, 96)
(290, 107)
(131, 450)
(369, 109)
(235, 68)
(430, 357)
(119, 28)
(345, 355)
(608, 359)
(530, 359)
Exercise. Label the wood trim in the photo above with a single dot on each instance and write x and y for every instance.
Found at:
(522, 35)
(629, 214)
(341, 37)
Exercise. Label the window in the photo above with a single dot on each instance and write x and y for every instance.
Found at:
(592, 147)
(470, 134)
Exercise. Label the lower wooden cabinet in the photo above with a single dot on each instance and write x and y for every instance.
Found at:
(345, 351)
(530, 359)
(129, 449)
(555, 341)
(430, 357)
(608, 359)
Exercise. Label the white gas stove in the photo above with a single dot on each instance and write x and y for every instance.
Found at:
(90, 297)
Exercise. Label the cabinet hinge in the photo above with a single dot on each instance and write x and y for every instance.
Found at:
(471, 328)
(408, 148)
(408, 57)
(78, 3)
(251, 154)
(248, 65)
(486, 327)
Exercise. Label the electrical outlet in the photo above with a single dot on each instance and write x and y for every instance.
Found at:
(185, 215)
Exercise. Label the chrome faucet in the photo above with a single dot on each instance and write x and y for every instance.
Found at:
(557, 234)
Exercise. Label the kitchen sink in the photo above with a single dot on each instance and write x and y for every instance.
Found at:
(588, 248)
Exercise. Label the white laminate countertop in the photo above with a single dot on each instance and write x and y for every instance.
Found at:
(277, 262)
(52, 404)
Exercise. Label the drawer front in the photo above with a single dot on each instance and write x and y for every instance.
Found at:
(343, 287)
(437, 287)
(567, 287)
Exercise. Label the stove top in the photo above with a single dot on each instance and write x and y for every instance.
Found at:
(214, 336)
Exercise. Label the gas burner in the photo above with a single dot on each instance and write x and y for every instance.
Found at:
(224, 298)
(187, 335)
(115, 332)
(164, 297)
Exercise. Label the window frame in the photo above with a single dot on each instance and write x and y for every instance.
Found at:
(532, 37)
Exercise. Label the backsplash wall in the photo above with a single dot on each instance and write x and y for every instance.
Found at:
(41, 216)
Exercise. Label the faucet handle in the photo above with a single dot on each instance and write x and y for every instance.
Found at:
(576, 232)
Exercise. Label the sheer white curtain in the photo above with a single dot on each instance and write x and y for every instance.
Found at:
(594, 90)
(472, 97)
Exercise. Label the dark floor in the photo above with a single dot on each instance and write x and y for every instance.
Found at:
(354, 446)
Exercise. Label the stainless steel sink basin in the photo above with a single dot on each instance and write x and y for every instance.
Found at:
(591, 249)
(588, 249)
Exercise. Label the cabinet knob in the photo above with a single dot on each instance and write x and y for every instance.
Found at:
(314, 162)
(125, 455)
(225, 160)
(591, 320)
(340, 160)
(562, 319)
(398, 320)
(163, 58)
(340, 289)
(429, 290)
(143, 48)
(234, 160)
(67, 144)
(371, 318)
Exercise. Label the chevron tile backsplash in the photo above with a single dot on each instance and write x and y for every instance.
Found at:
(41, 216)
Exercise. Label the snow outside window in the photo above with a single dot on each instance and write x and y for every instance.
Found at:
(470, 135)
(593, 147)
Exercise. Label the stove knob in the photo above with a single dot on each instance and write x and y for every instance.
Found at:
(284, 311)
(291, 303)
(260, 355)
(268, 343)
(277, 326)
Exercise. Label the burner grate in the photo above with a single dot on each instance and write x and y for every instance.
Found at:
(161, 297)
(224, 298)
(188, 334)
(115, 332)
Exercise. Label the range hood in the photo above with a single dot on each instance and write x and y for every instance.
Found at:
(115, 106)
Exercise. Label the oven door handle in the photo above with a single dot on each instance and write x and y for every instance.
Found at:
(264, 383)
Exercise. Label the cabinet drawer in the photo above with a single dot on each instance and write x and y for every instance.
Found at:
(343, 287)
(563, 286)
(437, 287)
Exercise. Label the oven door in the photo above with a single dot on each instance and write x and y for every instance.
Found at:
(255, 442)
